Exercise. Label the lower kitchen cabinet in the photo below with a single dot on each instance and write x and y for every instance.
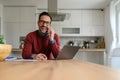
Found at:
(16, 52)
(92, 55)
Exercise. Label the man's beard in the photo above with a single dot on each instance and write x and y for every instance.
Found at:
(43, 30)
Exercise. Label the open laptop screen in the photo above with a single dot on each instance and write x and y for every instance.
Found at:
(68, 52)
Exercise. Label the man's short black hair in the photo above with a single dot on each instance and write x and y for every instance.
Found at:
(45, 13)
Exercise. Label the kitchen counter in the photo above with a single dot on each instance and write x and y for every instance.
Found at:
(16, 49)
(92, 49)
(89, 49)
(56, 70)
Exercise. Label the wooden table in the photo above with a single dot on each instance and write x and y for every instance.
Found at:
(56, 70)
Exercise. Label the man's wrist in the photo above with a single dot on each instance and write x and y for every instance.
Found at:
(33, 56)
(52, 41)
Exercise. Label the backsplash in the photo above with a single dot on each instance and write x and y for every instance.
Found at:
(78, 41)
(93, 42)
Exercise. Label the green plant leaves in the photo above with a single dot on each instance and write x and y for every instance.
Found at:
(2, 41)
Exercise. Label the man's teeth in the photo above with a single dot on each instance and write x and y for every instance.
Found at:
(44, 28)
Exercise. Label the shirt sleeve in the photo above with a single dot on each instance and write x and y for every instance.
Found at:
(52, 41)
(55, 46)
(27, 50)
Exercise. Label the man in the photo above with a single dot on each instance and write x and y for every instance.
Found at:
(44, 43)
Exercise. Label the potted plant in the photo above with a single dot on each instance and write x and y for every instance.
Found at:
(5, 49)
(2, 41)
(70, 43)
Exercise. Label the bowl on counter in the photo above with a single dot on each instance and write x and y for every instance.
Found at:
(5, 50)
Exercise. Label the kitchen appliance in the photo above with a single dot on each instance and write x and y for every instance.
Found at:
(53, 11)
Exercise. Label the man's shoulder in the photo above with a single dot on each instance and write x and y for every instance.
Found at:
(33, 32)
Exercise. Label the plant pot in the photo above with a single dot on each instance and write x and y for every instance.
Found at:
(5, 50)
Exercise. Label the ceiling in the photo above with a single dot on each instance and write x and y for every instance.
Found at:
(68, 4)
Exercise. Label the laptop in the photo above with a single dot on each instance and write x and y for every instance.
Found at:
(68, 52)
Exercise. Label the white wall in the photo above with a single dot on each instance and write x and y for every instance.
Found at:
(108, 31)
(1, 19)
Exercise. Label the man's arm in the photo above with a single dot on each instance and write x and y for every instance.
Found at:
(54, 47)
(27, 50)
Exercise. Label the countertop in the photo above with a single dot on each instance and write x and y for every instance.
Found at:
(92, 49)
(16, 49)
(56, 70)
(89, 49)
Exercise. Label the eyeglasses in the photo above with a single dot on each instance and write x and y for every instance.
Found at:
(45, 22)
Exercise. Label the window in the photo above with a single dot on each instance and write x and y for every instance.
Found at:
(115, 22)
(118, 23)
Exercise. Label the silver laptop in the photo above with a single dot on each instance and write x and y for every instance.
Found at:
(68, 52)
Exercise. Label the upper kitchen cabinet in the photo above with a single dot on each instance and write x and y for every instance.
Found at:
(87, 16)
(98, 18)
(92, 18)
(92, 23)
(19, 14)
(18, 21)
(11, 14)
(76, 17)
(27, 14)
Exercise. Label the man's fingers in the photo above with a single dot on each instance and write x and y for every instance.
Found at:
(41, 57)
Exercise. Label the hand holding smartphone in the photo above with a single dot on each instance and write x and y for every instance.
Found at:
(51, 33)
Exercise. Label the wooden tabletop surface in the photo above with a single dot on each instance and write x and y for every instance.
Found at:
(56, 70)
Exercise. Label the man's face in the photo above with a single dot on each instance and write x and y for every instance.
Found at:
(44, 23)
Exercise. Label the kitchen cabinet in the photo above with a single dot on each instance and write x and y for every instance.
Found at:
(27, 14)
(12, 14)
(90, 22)
(19, 14)
(92, 55)
(76, 16)
(18, 21)
(98, 18)
(12, 32)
